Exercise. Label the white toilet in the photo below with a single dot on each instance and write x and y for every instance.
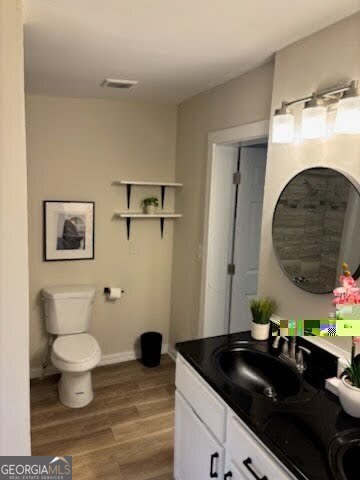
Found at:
(74, 352)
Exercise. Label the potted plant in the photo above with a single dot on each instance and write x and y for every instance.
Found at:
(150, 204)
(261, 310)
(349, 387)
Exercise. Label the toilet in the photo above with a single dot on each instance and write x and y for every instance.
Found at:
(74, 352)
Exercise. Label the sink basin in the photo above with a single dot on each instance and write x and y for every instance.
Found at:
(344, 455)
(257, 372)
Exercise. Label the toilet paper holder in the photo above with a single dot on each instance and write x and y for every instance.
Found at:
(107, 291)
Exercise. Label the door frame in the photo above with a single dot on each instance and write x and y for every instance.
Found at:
(228, 136)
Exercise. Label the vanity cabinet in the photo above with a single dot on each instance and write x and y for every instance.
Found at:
(203, 400)
(198, 455)
(210, 439)
(232, 472)
(247, 456)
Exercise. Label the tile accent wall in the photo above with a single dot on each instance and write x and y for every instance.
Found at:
(308, 226)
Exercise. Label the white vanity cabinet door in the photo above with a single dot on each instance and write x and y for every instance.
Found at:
(203, 399)
(198, 455)
(250, 455)
(232, 472)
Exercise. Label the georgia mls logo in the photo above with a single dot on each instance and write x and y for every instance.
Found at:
(36, 468)
(58, 468)
(55, 459)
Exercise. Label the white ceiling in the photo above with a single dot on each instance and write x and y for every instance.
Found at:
(174, 48)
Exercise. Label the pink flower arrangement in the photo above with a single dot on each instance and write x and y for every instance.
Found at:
(348, 293)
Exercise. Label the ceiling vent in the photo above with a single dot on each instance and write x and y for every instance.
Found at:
(114, 83)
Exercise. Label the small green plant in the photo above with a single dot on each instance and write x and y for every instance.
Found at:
(151, 201)
(353, 370)
(262, 309)
(353, 374)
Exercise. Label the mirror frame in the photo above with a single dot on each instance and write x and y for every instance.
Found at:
(353, 182)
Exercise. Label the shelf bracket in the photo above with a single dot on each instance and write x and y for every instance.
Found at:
(162, 220)
(128, 194)
(163, 187)
(128, 224)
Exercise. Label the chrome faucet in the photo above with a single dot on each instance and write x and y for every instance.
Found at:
(289, 353)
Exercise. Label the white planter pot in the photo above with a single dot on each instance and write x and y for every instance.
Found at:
(260, 331)
(349, 398)
(150, 209)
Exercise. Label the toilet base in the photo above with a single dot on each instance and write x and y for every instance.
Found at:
(75, 389)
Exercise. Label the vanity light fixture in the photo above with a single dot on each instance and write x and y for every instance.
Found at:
(313, 123)
(283, 125)
(346, 98)
(348, 113)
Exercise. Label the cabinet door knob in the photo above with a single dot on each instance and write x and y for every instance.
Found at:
(227, 475)
(247, 464)
(214, 456)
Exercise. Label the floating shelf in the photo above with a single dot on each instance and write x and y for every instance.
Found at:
(146, 215)
(147, 184)
(135, 183)
(160, 216)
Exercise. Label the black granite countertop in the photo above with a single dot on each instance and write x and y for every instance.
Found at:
(298, 430)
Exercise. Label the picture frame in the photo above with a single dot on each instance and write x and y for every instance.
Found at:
(69, 230)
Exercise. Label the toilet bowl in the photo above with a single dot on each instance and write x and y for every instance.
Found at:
(75, 352)
(75, 356)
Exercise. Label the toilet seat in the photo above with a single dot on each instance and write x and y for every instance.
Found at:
(75, 353)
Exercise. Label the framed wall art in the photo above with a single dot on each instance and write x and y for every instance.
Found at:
(69, 232)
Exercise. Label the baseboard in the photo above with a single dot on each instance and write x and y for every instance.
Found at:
(109, 359)
(125, 356)
(172, 352)
(36, 372)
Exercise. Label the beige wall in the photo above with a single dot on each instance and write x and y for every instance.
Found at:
(76, 148)
(14, 305)
(320, 60)
(243, 100)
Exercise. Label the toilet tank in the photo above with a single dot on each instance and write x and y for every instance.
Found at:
(68, 308)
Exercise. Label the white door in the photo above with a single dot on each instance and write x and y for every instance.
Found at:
(247, 235)
(198, 455)
(233, 473)
(219, 253)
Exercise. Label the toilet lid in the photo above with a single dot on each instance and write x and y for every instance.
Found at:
(76, 348)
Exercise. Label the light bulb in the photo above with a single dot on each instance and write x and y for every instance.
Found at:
(314, 119)
(348, 113)
(283, 126)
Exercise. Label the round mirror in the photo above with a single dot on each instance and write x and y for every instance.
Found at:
(316, 227)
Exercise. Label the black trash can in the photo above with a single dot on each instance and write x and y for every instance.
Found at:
(151, 348)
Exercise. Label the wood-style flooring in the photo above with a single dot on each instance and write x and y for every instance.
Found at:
(126, 433)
